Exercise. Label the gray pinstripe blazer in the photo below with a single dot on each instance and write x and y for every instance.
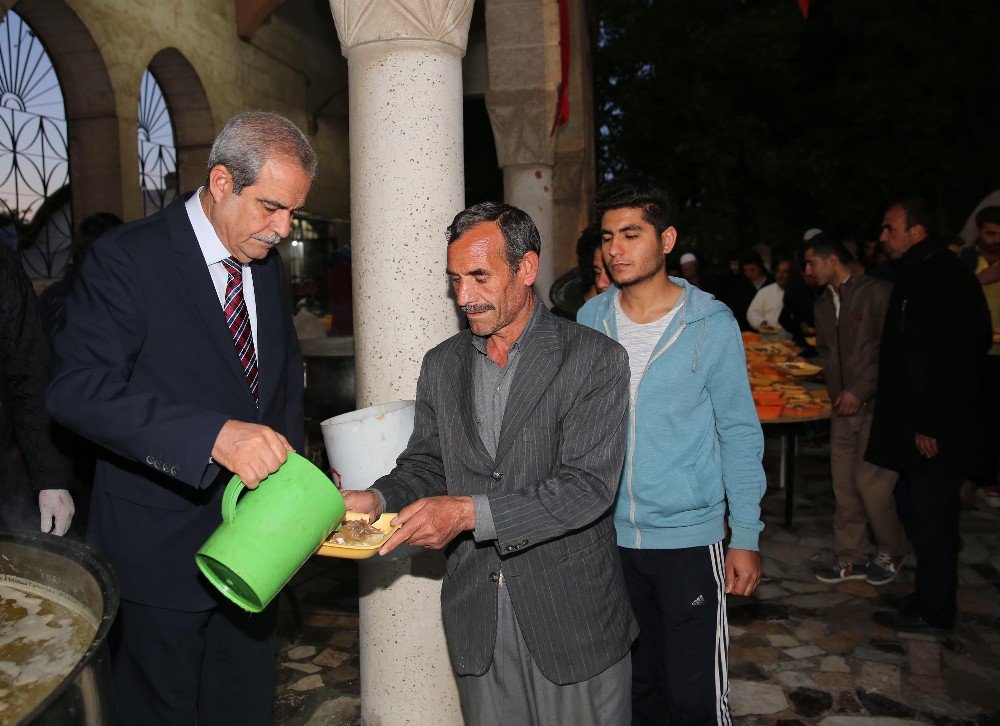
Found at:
(550, 488)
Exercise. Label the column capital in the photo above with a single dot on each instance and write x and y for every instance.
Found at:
(522, 125)
(444, 22)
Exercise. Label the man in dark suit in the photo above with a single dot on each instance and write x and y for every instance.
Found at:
(513, 465)
(928, 419)
(179, 358)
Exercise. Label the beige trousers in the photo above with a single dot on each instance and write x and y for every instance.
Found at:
(865, 506)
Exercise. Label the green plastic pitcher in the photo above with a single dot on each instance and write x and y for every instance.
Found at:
(270, 533)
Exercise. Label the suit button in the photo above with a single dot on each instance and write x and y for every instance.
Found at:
(510, 548)
(524, 543)
(495, 576)
(496, 476)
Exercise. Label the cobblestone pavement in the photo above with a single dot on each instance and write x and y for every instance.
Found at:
(801, 652)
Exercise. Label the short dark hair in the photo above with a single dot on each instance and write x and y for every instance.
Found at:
(519, 233)
(588, 243)
(752, 257)
(916, 211)
(829, 247)
(987, 215)
(659, 208)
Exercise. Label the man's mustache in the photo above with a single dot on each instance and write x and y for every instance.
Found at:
(476, 308)
(270, 239)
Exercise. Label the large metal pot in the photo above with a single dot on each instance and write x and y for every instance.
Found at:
(85, 695)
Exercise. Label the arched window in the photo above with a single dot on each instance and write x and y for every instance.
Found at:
(157, 148)
(35, 216)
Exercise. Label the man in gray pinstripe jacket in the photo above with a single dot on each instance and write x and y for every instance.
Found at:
(513, 466)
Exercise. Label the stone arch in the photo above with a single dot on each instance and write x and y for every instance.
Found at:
(190, 112)
(91, 118)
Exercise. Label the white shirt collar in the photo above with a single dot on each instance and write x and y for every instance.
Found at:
(211, 246)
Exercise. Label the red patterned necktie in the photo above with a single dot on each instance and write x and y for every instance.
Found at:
(238, 320)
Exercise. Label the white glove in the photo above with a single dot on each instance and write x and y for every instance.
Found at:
(55, 504)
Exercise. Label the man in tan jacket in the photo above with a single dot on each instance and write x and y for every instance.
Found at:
(849, 318)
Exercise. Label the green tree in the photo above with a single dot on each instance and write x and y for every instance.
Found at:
(766, 123)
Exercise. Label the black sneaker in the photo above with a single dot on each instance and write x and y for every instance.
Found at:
(882, 569)
(841, 572)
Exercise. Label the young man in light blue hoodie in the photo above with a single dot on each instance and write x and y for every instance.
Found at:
(693, 453)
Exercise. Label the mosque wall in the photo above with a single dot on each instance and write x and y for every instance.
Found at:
(282, 70)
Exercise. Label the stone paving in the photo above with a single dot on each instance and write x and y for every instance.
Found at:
(801, 652)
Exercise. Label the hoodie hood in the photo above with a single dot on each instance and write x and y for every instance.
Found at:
(697, 304)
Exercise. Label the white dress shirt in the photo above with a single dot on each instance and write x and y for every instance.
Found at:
(766, 307)
(215, 252)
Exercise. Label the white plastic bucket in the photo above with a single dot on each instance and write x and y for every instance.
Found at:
(364, 445)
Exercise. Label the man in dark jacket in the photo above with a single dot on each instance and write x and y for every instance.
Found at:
(927, 424)
(24, 370)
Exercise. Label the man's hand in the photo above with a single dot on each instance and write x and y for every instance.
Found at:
(847, 404)
(363, 502)
(926, 445)
(432, 522)
(56, 508)
(742, 572)
(990, 275)
(250, 451)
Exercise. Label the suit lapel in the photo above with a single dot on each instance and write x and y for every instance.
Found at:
(463, 387)
(537, 367)
(198, 281)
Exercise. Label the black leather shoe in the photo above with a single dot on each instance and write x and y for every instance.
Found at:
(909, 623)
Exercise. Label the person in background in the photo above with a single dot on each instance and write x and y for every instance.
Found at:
(984, 260)
(927, 424)
(690, 271)
(592, 269)
(743, 288)
(52, 300)
(694, 455)
(513, 464)
(179, 359)
(801, 293)
(24, 374)
(849, 317)
(52, 306)
(764, 312)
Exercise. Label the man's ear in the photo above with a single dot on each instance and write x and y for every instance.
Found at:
(528, 266)
(669, 238)
(220, 182)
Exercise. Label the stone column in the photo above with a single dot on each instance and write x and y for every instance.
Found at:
(407, 183)
(526, 153)
(524, 71)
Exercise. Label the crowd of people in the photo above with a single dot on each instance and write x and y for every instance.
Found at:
(596, 485)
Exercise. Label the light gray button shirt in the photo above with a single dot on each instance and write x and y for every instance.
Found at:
(491, 389)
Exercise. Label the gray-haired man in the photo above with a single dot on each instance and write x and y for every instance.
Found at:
(513, 466)
(179, 358)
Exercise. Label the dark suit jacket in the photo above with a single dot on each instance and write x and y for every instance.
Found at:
(931, 364)
(147, 369)
(550, 488)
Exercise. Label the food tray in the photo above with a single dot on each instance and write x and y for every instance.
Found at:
(358, 552)
(798, 368)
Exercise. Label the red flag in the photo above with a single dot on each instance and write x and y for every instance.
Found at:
(562, 102)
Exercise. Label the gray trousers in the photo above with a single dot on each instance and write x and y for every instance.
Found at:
(513, 692)
(863, 493)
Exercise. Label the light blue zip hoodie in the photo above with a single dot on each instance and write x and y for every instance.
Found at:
(694, 439)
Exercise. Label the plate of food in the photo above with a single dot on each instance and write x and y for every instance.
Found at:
(356, 538)
(798, 368)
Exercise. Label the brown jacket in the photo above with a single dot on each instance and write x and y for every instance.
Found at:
(849, 347)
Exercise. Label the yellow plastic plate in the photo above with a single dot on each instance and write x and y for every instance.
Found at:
(358, 552)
